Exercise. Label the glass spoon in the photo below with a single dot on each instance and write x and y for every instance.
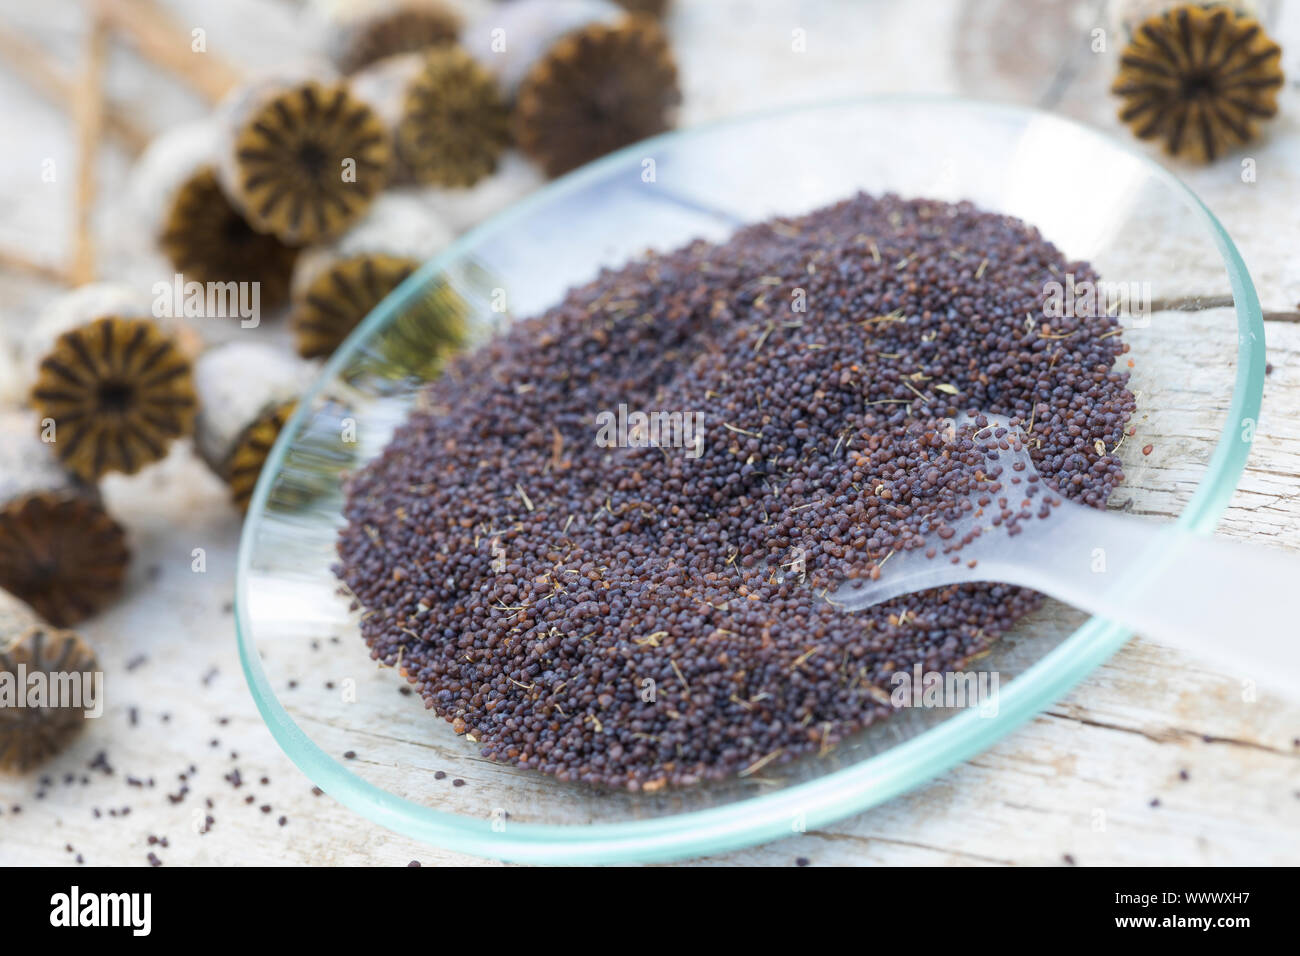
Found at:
(1225, 601)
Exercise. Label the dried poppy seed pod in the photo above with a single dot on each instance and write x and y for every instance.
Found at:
(362, 32)
(1199, 79)
(304, 158)
(175, 191)
(113, 382)
(247, 391)
(587, 77)
(31, 731)
(60, 551)
(448, 119)
(336, 286)
(513, 37)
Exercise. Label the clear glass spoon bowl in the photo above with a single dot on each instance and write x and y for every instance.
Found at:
(1153, 577)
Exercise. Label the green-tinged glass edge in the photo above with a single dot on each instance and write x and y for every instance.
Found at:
(835, 795)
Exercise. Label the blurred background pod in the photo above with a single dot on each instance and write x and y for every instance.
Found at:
(654, 8)
(112, 382)
(30, 735)
(1126, 16)
(362, 32)
(447, 117)
(586, 76)
(247, 391)
(302, 157)
(176, 195)
(60, 550)
(1198, 78)
(335, 286)
(509, 39)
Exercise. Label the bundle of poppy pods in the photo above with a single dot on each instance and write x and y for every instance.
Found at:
(322, 189)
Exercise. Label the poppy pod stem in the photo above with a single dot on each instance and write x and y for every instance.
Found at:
(60, 551)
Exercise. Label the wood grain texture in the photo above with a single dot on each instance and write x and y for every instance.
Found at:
(1153, 759)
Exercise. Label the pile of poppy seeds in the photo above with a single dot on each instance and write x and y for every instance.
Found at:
(652, 616)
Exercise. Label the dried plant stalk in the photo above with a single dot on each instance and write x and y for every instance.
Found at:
(35, 67)
(88, 113)
(160, 39)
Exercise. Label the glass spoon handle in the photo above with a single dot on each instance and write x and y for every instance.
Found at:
(1230, 602)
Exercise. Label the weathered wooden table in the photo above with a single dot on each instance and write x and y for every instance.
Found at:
(1182, 768)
